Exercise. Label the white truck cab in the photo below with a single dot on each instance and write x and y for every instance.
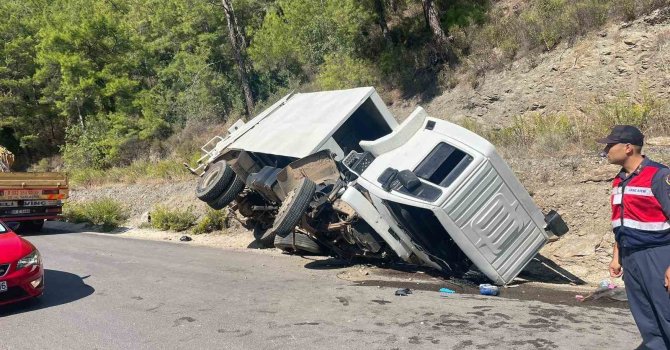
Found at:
(463, 193)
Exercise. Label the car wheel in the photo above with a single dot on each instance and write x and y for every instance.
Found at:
(214, 181)
(302, 243)
(263, 235)
(293, 207)
(228, 195)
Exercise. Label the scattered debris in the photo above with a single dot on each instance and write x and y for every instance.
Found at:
(488, 289)
(403, 292)
(446, 291)
(185, 239)
(605, 289)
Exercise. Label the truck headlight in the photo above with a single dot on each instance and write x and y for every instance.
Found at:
(29, 260)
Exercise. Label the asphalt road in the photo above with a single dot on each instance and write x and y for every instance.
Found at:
(106, 292)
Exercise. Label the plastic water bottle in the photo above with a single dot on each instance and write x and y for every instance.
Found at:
(488, 289)
(604, 283)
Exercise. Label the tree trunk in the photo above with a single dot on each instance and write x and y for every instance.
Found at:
(394, 6)
(433, 22)
(381, 14)
(239, 46)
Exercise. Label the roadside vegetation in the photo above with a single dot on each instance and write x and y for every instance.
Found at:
(550, 134)
(105, 212)
(138, 171)
(178, 220)
(120, 90)
(164, 218)
(213, 220)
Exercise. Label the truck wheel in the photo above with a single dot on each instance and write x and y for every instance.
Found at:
(31, 226)
(214, 181)
(263, 235)
(302, 243)
(228, 194)
(293, 207)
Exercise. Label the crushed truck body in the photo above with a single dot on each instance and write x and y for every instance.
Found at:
(333, 172)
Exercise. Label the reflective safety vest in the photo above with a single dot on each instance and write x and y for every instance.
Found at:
(638, 219)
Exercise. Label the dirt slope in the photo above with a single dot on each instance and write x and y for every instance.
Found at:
(625, 59)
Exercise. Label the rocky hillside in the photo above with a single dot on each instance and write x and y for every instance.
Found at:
(625, 59)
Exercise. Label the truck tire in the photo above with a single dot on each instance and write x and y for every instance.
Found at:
(293, 207)
(228, 194)
(263, 235)
(302, 243)
(214, 181)
(31, 226)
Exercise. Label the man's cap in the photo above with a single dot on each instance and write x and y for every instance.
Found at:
(624, 134)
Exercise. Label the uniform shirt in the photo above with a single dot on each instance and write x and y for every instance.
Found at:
(660, 185)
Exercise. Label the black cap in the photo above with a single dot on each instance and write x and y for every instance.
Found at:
(624, 134)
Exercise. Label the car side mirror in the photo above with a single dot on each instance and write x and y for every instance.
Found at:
(409, 180)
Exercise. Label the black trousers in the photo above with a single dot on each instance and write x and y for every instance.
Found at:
(649, 301)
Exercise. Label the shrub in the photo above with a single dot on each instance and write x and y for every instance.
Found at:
(214, 220)
(136, 171)
(163, 218)
(105, 212)
(547, 134)
(545, 131)
(649, 114)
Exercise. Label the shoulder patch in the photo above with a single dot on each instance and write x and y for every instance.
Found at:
(667, 180)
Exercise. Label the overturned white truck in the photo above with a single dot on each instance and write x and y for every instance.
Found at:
(333, 171)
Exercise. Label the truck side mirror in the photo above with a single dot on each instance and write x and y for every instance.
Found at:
(555, 223)
(409, 180)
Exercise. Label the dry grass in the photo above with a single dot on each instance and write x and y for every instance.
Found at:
(561, 133)
(539, 26)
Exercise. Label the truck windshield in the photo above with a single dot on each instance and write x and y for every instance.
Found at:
(443, 165)
(3, 229)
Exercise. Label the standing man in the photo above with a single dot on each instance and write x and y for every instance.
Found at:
(641, 222)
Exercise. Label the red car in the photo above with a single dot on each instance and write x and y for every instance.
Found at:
(21, 271)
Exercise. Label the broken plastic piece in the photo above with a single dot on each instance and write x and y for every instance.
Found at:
(403, 292)
(445, 291)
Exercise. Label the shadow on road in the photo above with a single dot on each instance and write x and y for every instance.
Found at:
(540, 269)
(62, 227)
(60, 288)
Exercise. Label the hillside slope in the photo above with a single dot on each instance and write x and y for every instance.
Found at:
(625, 59)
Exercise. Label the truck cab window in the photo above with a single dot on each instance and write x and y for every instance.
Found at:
(443, 165)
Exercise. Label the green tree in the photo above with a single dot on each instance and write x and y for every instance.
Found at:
(30, 128)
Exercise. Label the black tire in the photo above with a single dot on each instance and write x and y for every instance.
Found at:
(302, 243)
(235, 188)
(263, 235)
(214, 181)
(293, 207)
(31, 226)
